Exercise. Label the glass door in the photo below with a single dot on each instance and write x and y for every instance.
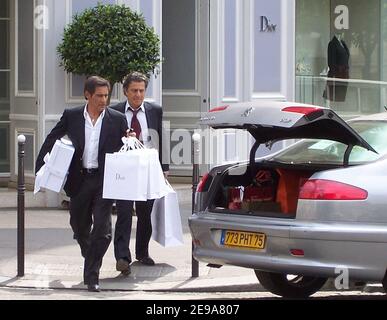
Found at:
(185, 75)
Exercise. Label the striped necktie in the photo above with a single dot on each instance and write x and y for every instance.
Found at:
(135, 124)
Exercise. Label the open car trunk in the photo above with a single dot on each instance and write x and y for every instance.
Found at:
(264, 188)
(261, 190)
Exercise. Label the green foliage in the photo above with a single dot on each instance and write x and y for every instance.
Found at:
(110, 41)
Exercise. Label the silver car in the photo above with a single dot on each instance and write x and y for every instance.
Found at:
(312, 211)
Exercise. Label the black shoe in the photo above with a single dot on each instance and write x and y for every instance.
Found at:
(148, 261)
(123, 266)
(93, 288)
(126, 272)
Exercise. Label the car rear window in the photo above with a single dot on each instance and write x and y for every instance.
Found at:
(312, 151)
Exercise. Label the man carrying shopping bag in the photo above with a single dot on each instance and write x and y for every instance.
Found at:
(94, 131)
(146, 121)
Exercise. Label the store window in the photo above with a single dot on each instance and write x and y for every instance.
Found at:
(4, 86)
(179, 45)
(339, 56)
(230, 49)
(25, 48)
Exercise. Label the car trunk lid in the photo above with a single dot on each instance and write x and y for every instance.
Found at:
(270, 120)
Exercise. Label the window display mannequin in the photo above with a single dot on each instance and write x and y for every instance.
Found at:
(338, 63)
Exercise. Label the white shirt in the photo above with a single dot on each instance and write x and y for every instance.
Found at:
(92, 134)
(141, 116)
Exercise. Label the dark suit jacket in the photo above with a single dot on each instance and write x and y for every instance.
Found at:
(338, 62)
(154, 118)
(338, 59)
(72, 124)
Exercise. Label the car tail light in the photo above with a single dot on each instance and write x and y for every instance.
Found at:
(302, 110)
(204, 183)
(219, 109)
(331, 190)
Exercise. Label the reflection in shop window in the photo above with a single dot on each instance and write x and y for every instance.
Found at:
(147, 8)
(179, 45)
(4, 148)
(4, 8)
(25, 49)
(4, 44)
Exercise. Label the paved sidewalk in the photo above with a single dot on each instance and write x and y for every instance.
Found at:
(53, 259)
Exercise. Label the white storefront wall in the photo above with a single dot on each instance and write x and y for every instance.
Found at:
(251, 58)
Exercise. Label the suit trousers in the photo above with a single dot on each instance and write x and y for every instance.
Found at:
(124, 226)
(90, 220)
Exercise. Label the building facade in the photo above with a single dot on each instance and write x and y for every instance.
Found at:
(215, 52)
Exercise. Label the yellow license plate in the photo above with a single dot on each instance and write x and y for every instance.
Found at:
(241, 239)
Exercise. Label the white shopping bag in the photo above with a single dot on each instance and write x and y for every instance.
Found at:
(52, 175)
(166, 220)
(134, 173)
(126, 176)
(157, 188)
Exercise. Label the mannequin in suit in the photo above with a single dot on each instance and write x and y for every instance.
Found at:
(338, 62)
(146, 121)
(94, 131)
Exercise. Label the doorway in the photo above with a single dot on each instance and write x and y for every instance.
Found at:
(185, 75)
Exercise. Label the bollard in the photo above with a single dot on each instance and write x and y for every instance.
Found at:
(20, 207)
(195, 182)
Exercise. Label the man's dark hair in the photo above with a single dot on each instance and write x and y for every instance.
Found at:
(93, 82)
(135, 77)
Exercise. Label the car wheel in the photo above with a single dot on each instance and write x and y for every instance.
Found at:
(289, 286)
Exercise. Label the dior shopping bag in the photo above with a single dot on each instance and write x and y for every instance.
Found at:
(166, 220)
(134, 173)
(157, 187)
(126, 173)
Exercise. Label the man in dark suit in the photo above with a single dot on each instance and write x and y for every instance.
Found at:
(146, 121)
(94, 131)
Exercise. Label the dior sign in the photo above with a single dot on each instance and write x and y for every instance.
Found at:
(266, 25)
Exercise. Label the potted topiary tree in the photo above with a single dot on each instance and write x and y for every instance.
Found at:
(110, 41)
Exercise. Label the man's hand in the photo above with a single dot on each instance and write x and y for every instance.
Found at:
(166, 174)
(130, 133)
